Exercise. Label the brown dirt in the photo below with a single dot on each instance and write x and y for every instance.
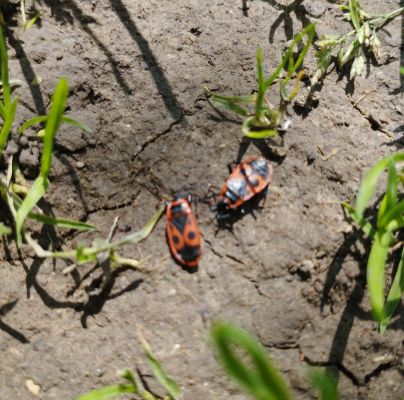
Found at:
(294, 276)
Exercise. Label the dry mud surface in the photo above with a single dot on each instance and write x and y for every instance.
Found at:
(294, 276)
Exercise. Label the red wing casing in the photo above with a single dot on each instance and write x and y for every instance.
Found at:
(249, 178)
(183, 236)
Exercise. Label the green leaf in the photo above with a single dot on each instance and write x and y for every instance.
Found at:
(169, 384)
(4, 230)
(142, 233)
(62, 223)
(309, 30)
(349, 54)
(36, 192)
(4, 70)
(251, 129)
(76, 124)
(52, 125)
(357, 66)
(354, 13)
(366, 226)
(42, 118)
(231, 106)
(375, 272)
(31, 122)
(325, 384)
(393, 213)
(258, 377)
(368, 184)
(108, 392)
(10, 110)
(394, 296)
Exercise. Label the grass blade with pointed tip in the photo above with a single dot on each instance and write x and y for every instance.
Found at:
(62, 222)
(375, 272)
(169, 384)
(108, 392)
(4, 230)
(369, 182)
(7, 124)
(52, 125)
(38, 189)
(42, 118)
(354, 13)
(4, 70)
(325, 384)
(144, 232)
(366, 226)
(259, 377)
(394, 296)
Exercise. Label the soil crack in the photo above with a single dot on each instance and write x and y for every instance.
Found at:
(159, 135)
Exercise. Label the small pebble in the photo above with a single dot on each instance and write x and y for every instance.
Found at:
(316, 8)
(24, 142)
(33, 387)
(80, 165)
(12, 148)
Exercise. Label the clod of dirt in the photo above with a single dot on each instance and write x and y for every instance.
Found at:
(29, 161)
(12, 148)
(316, 8)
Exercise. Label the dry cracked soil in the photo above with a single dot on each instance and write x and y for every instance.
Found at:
(293, 275)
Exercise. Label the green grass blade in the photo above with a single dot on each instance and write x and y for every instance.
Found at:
(108, 392)
(31, 122)
(4, 230)
(375, 272)
(2, 111)
(309, 30)
(325, 384)
(169, 384)
(391, 191)
(36, 192)
(354, 13)
(62, 223)
(394, 296)
(77, 124)
(369, 182)
(42, 118)
(258, 377)
(365, 225)
(261, 85)
(52, 124)
(394, 213)
(248, 99)
(142, 233)
(4, 70)
(231, 106)
(8, 124)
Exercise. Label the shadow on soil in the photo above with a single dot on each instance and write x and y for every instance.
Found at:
(99, 289)
(352, 309)
(69, 12)
(4, 310)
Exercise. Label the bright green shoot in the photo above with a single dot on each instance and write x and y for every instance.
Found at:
(40, 185)
(242, 357)
(247, 363)
(261, 119)
(390, 220)
(85, 254)
(134, 383)
(364, 41)
(258, 377)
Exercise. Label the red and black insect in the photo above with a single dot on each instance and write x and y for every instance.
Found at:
(184, 239)
(247, 181)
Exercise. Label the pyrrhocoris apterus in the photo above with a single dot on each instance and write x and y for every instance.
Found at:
(183, 235)
(248, 179)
